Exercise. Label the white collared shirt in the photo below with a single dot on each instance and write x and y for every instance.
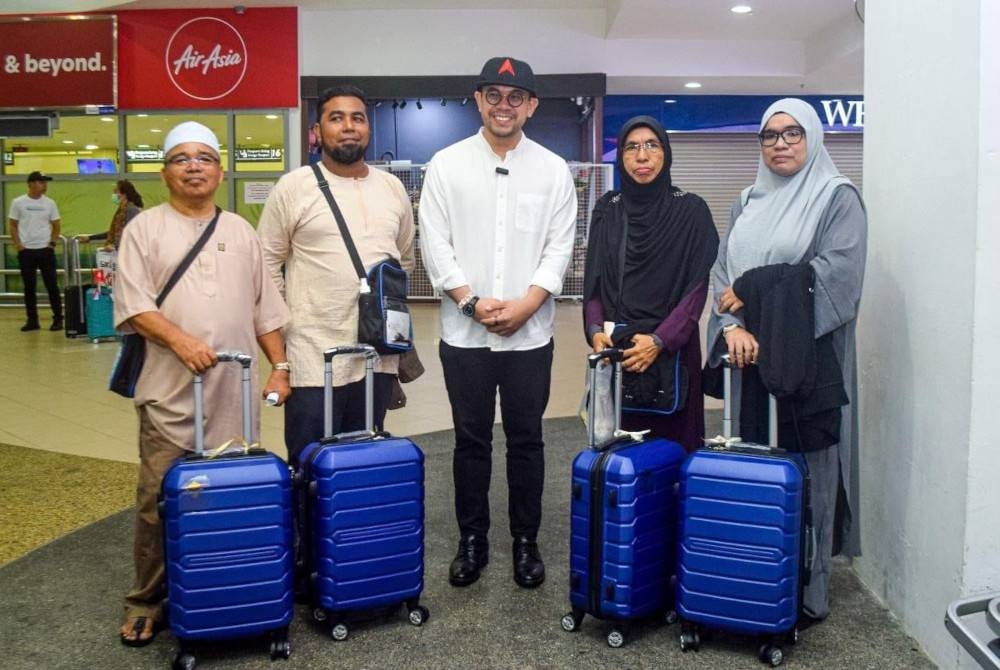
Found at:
(497, 233)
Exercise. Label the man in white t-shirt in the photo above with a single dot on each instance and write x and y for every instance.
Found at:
(34, 224)
(498, 215)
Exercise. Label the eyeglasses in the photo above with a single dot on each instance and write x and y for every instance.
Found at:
(650, 146)
(183, 160)
(791, 135)
(515, 98)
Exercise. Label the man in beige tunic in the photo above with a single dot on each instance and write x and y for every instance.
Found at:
(309, 262)
(223, 301)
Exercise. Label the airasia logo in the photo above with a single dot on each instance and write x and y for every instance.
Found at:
(206, 58)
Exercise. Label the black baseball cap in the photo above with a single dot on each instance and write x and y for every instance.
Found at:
(38, 176)
(506, 71)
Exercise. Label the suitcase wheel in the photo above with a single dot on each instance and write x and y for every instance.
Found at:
(419, 615)
(771, 655)
(690, 641)
(339, 632)
(281, 649)
(616, 639)
(571, 620)
(319, 614)
(670, 617)
(184, 661)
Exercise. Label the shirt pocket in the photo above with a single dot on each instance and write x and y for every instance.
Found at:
(528, 212)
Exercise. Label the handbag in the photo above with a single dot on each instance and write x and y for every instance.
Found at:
(660, 389)
(383, 315)
(132, 353)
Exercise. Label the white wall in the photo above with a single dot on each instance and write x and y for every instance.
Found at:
(929, 327)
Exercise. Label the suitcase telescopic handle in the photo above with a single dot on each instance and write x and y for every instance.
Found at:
(369, 353)
(245, 362)
(615, 356)
(727, 405)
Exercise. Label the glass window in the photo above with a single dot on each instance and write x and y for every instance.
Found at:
(86, 145)
(260, 142)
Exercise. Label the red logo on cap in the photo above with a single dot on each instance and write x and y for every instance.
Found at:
(507, 67)
(206, 58)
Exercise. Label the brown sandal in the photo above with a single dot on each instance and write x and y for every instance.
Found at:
(138, 627)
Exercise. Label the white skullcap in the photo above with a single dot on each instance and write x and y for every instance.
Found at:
(191, 131)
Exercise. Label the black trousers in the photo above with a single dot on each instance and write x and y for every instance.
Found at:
(473, 377)
(304, 412)
(32, 261)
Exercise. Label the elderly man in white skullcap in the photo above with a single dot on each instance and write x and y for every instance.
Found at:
(223, 300)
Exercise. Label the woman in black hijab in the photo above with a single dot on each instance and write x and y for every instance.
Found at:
(650, 249)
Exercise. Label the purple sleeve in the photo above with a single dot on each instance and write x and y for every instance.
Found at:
(593, 317)
(676, 329)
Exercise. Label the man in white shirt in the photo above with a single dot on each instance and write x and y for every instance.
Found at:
(309, 261)
(498, 213)
(34, 224)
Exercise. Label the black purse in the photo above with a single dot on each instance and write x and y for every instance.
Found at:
(660, 389)
(383, 315)
(132, 353)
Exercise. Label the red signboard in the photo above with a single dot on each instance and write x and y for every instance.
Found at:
(57, 62)
(208, 59)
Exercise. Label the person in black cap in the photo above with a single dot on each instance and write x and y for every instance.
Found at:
(34, 224)
(498, 216)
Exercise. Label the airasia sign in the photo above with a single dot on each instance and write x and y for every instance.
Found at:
(206, 58)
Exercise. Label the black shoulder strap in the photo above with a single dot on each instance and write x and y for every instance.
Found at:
(186, 263)
(344, 232)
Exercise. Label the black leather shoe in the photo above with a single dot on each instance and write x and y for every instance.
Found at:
(473, 555)
(57, 324)
(529, 570)
(31, 325)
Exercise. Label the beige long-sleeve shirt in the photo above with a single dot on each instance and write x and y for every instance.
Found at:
(319, 282)
(225, 298)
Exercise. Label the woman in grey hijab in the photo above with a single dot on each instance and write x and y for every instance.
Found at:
(801, 213)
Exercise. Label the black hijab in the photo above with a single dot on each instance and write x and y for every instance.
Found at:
(670, 246)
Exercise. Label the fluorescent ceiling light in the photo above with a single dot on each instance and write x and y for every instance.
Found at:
(271, 116)
(107, 119)
(741, 9)
(157, 130)
(692, 84)
(91, 147)
(67, 141)
(670, 101)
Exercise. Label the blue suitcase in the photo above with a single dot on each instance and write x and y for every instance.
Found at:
(99, 314)
(744, 540)
(363, 502)
(227, 526)
(623, 524)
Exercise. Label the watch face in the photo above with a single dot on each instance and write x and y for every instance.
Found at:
(469, 309)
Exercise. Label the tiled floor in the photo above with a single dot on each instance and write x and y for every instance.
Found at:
(54, 393)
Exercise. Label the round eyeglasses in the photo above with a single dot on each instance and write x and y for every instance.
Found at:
(649, 146)
(183, 160)
(515, 98)
(791, 135)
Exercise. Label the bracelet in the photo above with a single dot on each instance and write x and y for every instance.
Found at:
(732, 326)
(283, 366)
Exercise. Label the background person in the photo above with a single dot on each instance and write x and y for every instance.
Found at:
(498, 213)
(649, 252)
(128, 203)
(34, 224)
(799, 215)
(223, 301)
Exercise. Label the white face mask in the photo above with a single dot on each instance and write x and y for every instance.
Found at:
(115, 198)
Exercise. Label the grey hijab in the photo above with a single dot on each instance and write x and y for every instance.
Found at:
(780, 214)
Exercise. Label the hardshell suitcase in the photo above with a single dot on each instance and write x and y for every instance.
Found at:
(363, 503)
(227, 524)
(75, 323)
(745, 540)
(623, 523)
(100, 318)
